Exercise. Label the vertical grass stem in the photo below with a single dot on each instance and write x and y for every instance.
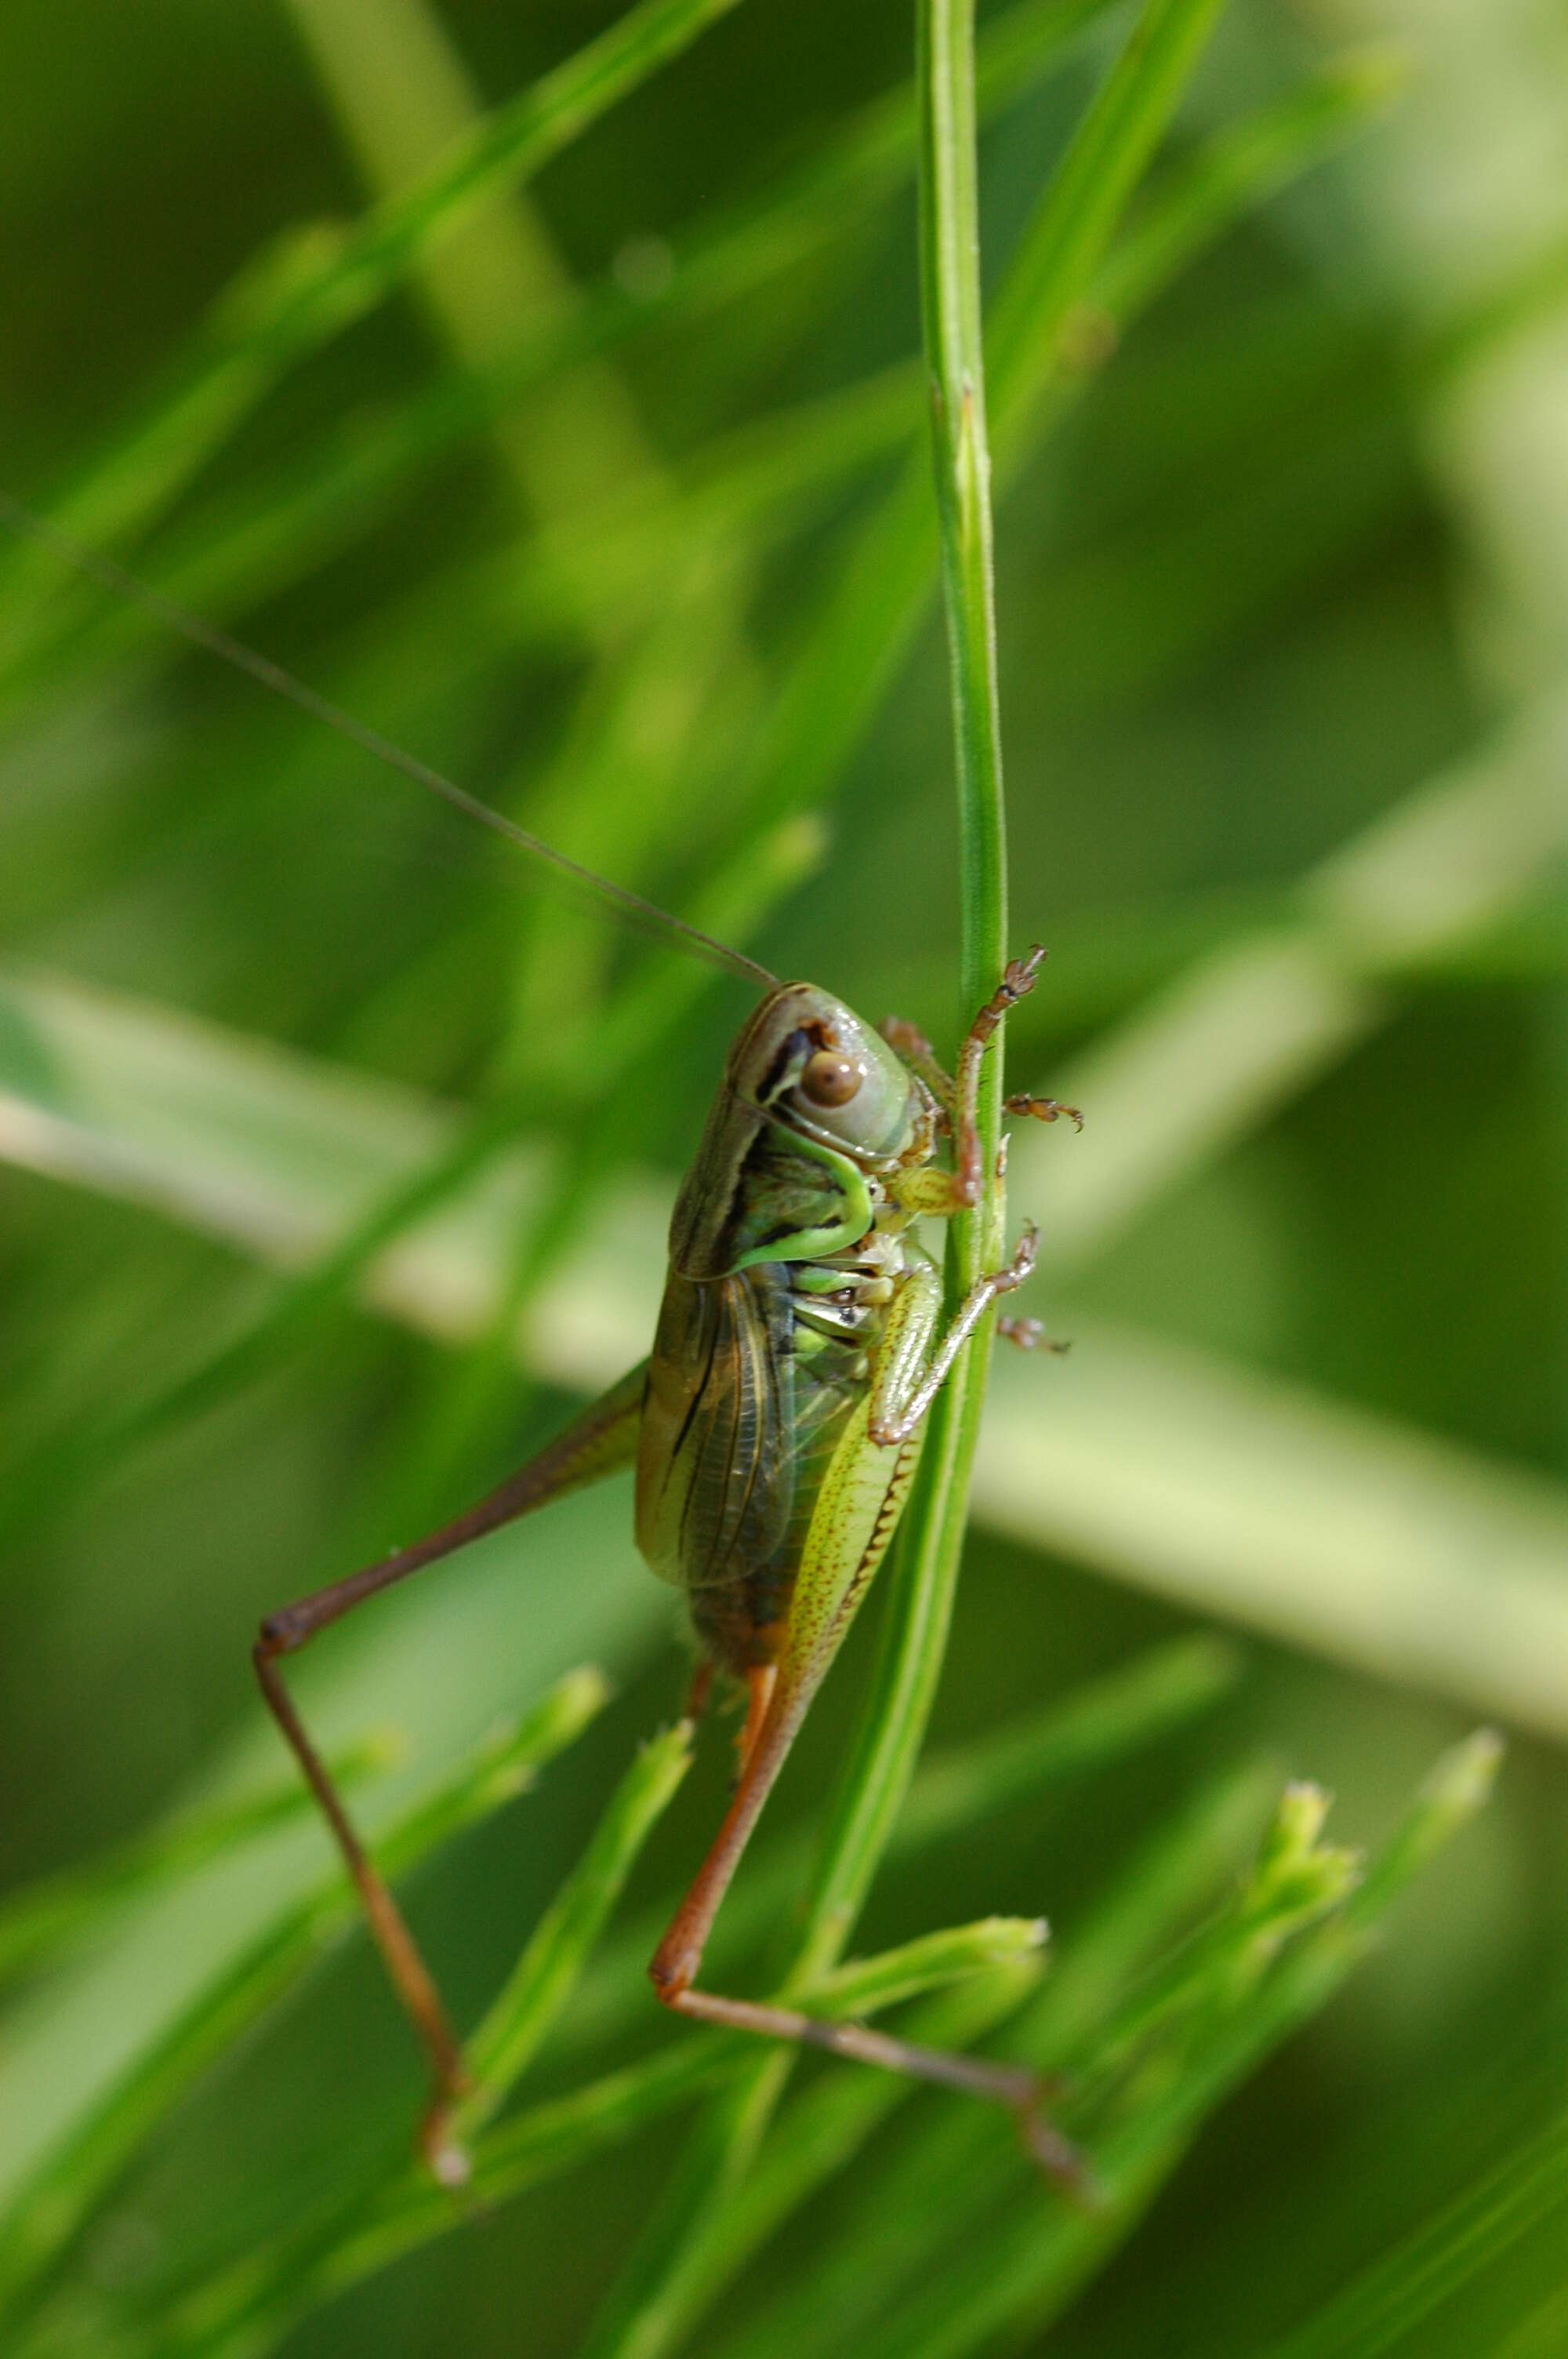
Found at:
(929, 1547)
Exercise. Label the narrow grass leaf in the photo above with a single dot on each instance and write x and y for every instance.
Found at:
(936, 2188)
(1034, 2258)
(929, 1963)
(320, 295)
(40, 1920)
(957, 1790)
(1391, 2301)
(245, 2311)
(547, 1973)
(46, 2212)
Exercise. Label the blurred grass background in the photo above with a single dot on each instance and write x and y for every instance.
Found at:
(600, 512)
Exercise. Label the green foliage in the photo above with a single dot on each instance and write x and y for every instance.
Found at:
(571, 426)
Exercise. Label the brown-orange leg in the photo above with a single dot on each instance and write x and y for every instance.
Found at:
(957, 1097)
(918, 1054)
(678, 1958)
(842, 1551)
(604, 1437)
(761, 1682)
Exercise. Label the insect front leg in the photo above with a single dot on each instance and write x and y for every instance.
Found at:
(603, 1438)
(1019, 978)
(961, 1188)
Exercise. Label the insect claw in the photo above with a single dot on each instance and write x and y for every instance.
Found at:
(1044, 1109)
(446, 2157)
(1019, 975)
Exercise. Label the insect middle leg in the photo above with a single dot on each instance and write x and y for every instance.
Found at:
(604, 1437)
(901, 1397)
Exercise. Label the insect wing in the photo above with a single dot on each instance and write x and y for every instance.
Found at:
(716, 1477)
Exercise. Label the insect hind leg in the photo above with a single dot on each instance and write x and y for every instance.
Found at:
(857, 1511)
(679, 1958)
(410, 1976)
(603, 1437)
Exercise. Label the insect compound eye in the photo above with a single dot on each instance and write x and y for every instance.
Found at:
(829, 1080)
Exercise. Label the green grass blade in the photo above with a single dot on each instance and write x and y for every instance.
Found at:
(954, 1792)
(955, 365)
(44, 2212)
(943, 2168)
(1064, 246)
(930, 1961)
(1390, 2300)
(547, 1973)
(1237, 168)
(247, 2309)
(904, 1683)
(1034, 2258)
(882, 592)
(40, 1920)
(318, 294)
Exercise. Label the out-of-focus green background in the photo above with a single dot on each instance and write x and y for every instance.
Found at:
(1283, 596)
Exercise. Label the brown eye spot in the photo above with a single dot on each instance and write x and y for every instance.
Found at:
(829, 1080)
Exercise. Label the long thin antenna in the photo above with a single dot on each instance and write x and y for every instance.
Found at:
(201, 634)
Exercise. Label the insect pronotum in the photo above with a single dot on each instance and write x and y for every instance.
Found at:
(776, 1425)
